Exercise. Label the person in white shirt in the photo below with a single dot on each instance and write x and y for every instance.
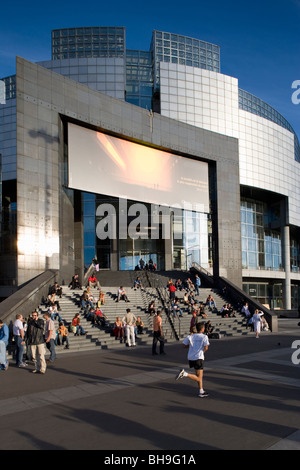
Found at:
(197, 345)
(18, 332)
(257, 322)
(129, 321)
(246, 311)
(122, 295)
(50, 336)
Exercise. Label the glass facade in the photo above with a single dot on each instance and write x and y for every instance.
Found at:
(8, 233)
(89, 227)
(295, 255)
(261, 246)
(10, 87)
(139, 78)
(195, 245)
(269, 294)
(295, 288)
(88, 42)
(177, 49)
(190, 237)
(254, 105)
(131, 251)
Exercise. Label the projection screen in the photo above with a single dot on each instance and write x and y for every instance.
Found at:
(102, 164)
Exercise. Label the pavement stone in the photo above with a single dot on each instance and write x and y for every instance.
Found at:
(129, 401)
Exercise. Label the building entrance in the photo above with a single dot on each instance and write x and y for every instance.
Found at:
(136, 254)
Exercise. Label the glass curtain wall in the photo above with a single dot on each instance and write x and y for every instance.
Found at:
(254, 105)
(190, 241)
(261, 245)
(295, 256)
(8, 234)
(295, 296)
(177, 49)
(269, 294)
(195, 244)
(139, 78)
(89, 228)
(99, 41)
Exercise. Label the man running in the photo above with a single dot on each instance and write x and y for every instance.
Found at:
(197, 345)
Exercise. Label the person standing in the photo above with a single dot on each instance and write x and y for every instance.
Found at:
(18, 332)
(197, 345)
(129, 320)
(257, 322)
(197, 284)
(194, 320)
(36, 342)
(4, 338)
(158, 334)
(172, 290)
(50, 336)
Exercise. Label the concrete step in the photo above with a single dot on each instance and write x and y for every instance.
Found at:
(101, 337)
(98, 338)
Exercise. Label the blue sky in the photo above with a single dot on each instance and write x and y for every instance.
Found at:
(259, 40)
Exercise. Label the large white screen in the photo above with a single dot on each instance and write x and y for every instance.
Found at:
(103, 164)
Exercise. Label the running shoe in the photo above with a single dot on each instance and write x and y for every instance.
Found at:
(180, 375)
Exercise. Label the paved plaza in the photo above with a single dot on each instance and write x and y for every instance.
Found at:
(129, 400)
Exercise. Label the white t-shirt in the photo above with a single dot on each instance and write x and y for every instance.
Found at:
(196, 344)
(256, 317)
(257, 321)
(18, 326)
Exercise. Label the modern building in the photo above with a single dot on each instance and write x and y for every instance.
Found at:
(125, 154)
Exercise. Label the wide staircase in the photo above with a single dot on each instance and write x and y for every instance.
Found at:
(154, 288)
(98, 337)
(231, 326)
(225, 327)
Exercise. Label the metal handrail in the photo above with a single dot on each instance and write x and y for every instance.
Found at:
(89, 271)
(201, 269)
(161, 289)
(238, 296)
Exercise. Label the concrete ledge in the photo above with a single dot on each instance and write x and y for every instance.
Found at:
(27, 298)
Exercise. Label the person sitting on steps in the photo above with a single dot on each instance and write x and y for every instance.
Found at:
(122, 295)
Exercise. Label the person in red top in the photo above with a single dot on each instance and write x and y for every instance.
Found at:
(158, 334)
(93, 281)
(79, 330)
(172, 290)
(100, 317)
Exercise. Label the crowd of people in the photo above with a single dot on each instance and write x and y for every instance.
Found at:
(125, 329)
(32, 335)
(149, 266)
(188, 301)
(31, 338)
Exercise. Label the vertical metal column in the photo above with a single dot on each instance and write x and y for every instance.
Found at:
(287, 267)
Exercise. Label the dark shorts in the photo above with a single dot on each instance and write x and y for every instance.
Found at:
(197, 365)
